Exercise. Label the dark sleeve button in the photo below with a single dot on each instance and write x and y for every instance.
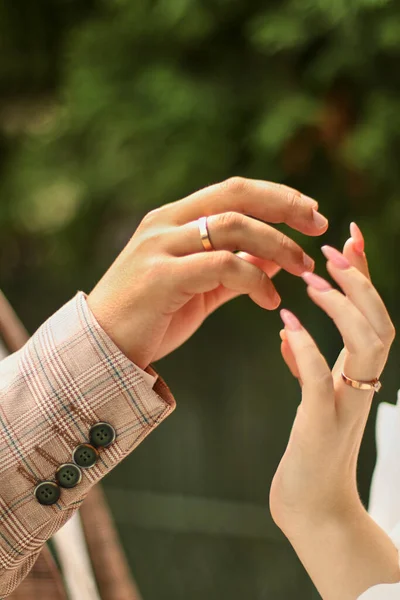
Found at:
(102, 435)
(85, 456)
(47, 493)
(68, 475)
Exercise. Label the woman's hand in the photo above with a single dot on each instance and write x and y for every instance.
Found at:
(163, 285)
(314, 497)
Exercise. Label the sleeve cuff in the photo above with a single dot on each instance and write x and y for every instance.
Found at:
(67, 378)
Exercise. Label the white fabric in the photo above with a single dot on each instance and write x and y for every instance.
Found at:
(72, 550)
(384, 504)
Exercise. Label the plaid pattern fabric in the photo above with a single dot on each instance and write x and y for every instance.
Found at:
(69, 375)
(43, 581)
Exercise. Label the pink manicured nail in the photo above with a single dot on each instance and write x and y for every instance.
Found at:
(358, 239)
(316, 282)
(319, 219)
(290, 321)
(336, 257)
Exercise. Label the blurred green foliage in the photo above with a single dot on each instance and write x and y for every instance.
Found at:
(109, 108)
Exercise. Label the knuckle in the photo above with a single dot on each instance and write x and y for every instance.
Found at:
(392, 332)
(235, 185)
(230, 220)
(286, 245)
(225, 260)
(291, 196)
(389, 334)
(319, 379)
(365, 285)
(152, 240)
(154, 216)
(376, 348)
(323, 379)
(156, 268)
(150, 218)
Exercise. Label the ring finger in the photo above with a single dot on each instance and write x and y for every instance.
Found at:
(366, 352)
(207, 272)
(234, 231)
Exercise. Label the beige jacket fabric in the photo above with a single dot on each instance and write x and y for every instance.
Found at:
(69, 376)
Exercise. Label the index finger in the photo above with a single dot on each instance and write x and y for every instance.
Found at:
(269, 202)
(313, 370)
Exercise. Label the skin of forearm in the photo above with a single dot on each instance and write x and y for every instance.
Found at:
(345, 556)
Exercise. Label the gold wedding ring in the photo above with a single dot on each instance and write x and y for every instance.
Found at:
(374, 384)
(204, 235)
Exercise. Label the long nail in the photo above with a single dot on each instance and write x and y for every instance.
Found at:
(358, 239)
(336, 257)
(319, 220)
(316, 282)
(290, 321)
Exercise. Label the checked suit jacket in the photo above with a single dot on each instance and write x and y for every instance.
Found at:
(53, 386)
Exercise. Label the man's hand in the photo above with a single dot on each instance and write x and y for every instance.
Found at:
(163, 285)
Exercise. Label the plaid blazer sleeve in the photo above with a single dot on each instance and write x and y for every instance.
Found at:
(68, 376)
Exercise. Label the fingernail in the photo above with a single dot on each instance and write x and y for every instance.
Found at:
(358, 239)
(311, 201)
(316, 282)
(336, 257)
(308, 263)
(290, 321)
(276, 300)
(319, 219)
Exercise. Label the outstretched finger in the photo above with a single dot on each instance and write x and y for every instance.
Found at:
(264, 200)
(219, 296)
(314, 372)
(353, 250)
(233, 231)
(288, 355)
(203, 273)
(366, 354)
(362, 293)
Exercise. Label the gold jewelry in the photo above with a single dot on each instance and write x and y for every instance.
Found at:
(205, 236)
(374, 384)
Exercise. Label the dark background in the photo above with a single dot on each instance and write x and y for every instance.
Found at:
(109, 108)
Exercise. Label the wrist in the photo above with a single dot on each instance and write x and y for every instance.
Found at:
(324, 521)
(296, 511)
(346, 553)
(121, 329)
